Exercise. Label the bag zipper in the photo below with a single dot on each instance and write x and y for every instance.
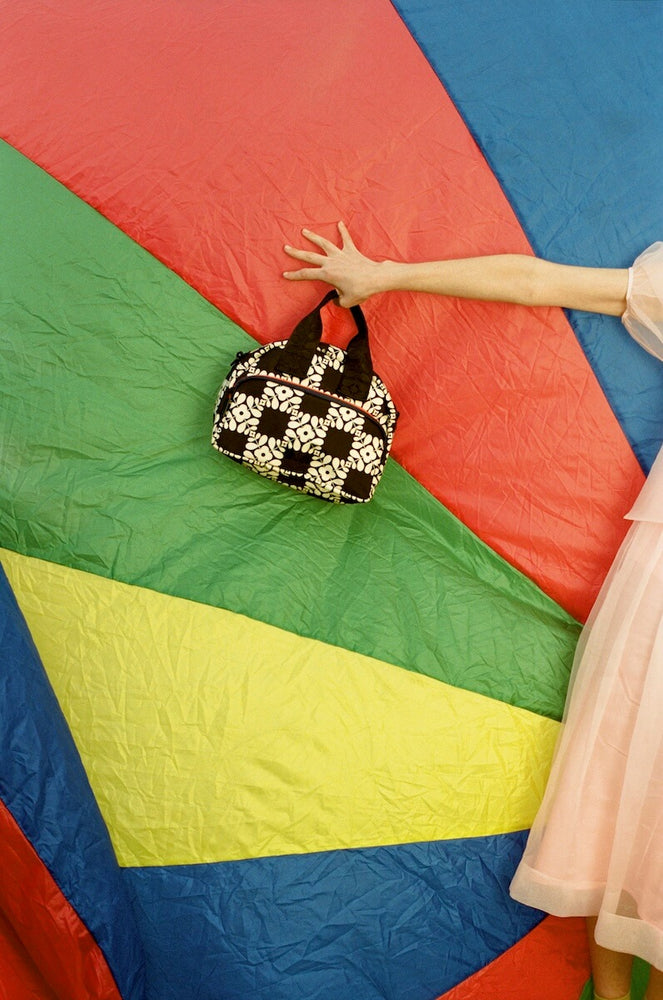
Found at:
(313, 392)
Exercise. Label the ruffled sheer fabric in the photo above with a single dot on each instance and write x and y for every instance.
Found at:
(649, 505)
(643, 317)
(596, 846)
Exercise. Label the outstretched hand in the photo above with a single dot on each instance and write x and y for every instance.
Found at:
(353, 275)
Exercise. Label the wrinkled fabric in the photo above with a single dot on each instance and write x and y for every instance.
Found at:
(497, 402)
(202, 136)
(297, 745)
(358, 924)
(60, 888)
(110, 376)
(565, 104)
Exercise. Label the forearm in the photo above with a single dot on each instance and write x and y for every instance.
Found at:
(515, 278)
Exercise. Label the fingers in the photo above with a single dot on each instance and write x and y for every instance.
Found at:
(319, 271)
(320, 241)
(307, 256)
(304, 274)
(325, 245)
(346, 239)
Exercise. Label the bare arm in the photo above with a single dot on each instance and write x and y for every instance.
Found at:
(502, 278)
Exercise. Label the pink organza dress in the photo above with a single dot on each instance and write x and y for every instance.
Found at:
(596, 846)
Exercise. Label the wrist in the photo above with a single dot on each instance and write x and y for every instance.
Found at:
(384, 276)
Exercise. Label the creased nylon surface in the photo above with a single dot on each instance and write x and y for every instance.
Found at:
(110, 369)
(61, 889)
(565, 103)
(572, 560)
(211, 737)
(400, 922)
(508, 426)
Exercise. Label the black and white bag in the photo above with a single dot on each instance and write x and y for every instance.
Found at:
(309, 415)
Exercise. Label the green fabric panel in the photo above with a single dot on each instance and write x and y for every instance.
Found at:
(110, 368)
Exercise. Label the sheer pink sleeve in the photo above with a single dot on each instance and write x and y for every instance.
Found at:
(644, 321)
(644, 300)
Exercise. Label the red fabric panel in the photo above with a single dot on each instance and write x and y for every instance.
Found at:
(19, 979)
(212, 132)
(55, 947)
(550, 963)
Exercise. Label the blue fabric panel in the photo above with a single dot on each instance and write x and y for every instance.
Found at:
(391, 923)
(566, 102)
(44, 786)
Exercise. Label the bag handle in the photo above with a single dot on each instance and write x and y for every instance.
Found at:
(295, 358)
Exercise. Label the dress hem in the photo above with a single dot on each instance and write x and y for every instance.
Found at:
(542, 892)
(630, 935)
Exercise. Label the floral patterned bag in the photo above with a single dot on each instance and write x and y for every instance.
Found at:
(309, 415)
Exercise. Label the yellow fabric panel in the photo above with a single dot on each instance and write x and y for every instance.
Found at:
(208, 736)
